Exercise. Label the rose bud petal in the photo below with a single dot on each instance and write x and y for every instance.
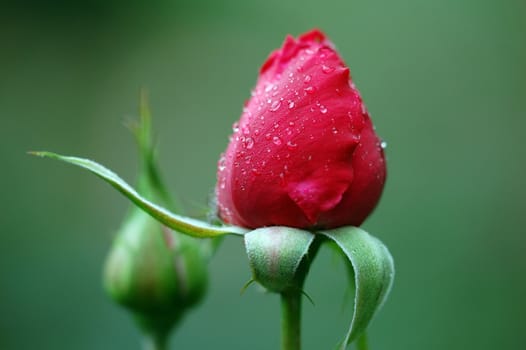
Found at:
(304, 153)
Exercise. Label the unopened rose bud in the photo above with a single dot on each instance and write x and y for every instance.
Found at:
(304, 153)
(155, 272)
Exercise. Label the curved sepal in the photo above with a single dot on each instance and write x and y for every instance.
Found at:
(373, 269)
(275, 255)
(189, 226)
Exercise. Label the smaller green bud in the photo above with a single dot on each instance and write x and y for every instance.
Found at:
(154, 272)
(276, 255)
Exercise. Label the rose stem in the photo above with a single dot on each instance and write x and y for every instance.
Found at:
(291, 320)
(154, 342)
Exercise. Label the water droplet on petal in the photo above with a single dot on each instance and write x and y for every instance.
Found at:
(383, 145)
(291, 145)
(221, 164)
(327, 69)
(276, 140)
(291, 104)
(307, 79)
(323, 109)
(235, 127)
(282, 179)
(268, 136)
(275, 106)
(364, 109)
(309, 90)
(249, 142)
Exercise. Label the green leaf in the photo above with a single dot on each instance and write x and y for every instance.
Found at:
(275, 254)
(180, 223)
(373, 269)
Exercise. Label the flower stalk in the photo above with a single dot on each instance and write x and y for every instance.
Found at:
(291, 320)
(154, 342)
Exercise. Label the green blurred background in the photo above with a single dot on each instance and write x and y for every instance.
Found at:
(445, 82)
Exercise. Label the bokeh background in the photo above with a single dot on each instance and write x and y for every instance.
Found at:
(445, 82)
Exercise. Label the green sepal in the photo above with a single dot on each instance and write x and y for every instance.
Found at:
(372, 271)
(276, 254)
(183, 224)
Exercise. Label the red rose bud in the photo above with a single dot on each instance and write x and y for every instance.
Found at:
(304, 153)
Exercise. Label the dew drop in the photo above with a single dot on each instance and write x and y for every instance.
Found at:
(307, 79)
(291, 104)
(268, 136)
(221, 164)
(275, 106)
(334, 130)
(364, 109)
(235, 127)
(309, 90)
(249, 142)
(323, 109)
(327, 69)
(282, 179)
(383, 145)
(291, 145)
(276, 140)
